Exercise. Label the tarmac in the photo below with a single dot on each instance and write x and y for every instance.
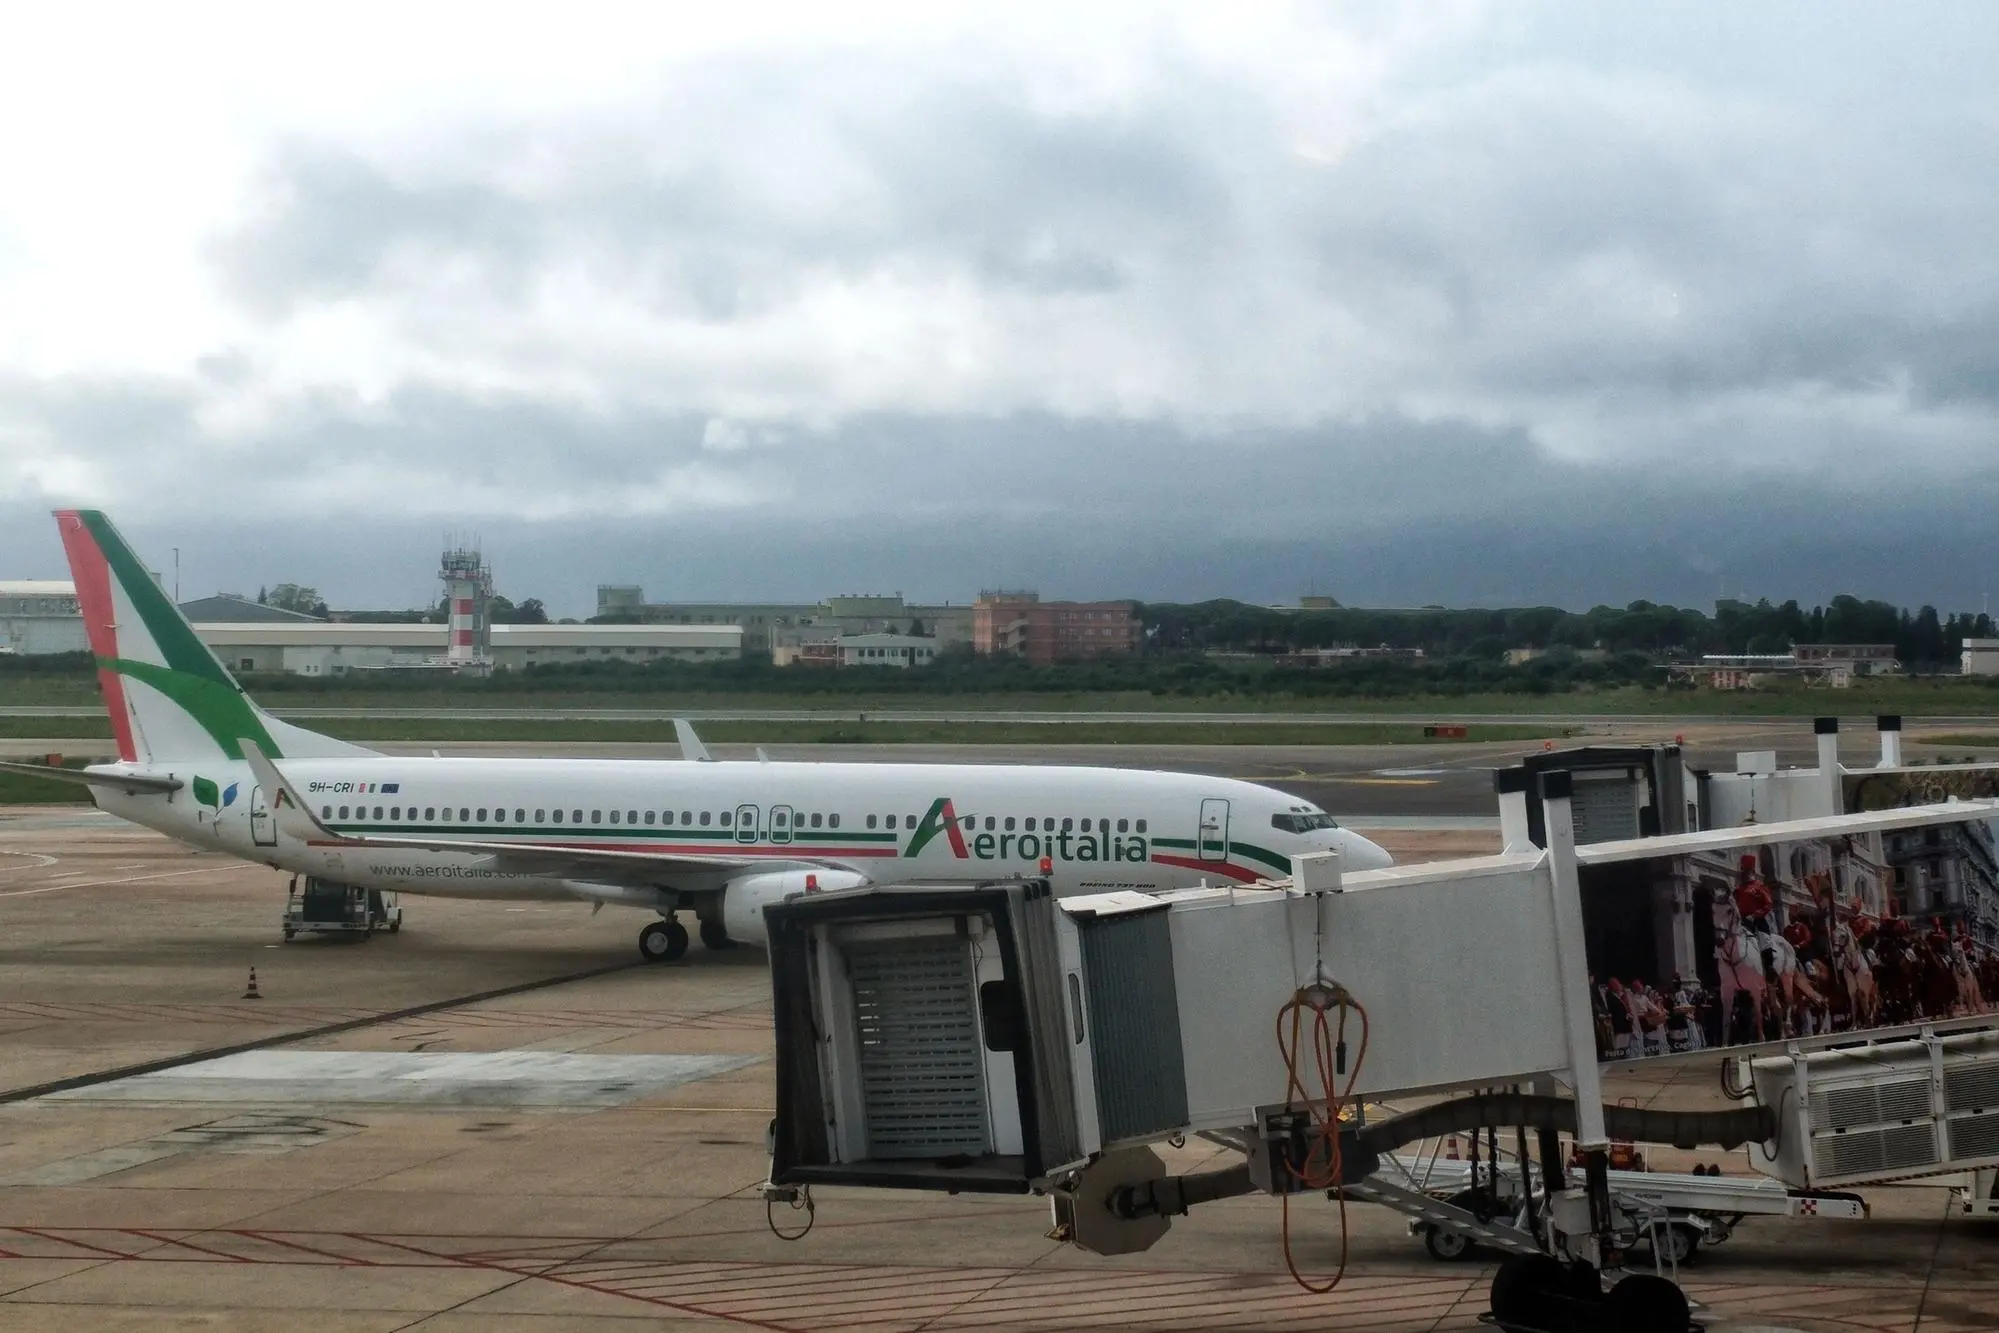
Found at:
(371, 1146)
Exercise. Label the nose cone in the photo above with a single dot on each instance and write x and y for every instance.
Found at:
(1357, 853)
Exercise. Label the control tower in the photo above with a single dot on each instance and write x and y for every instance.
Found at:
(468, 588)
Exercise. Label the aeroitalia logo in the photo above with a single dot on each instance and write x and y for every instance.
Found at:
(942, 820)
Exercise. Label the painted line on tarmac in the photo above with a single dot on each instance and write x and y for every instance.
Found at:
(98, 883)
(323, 1030)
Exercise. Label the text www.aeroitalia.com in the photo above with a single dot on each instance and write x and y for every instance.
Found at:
(441, 872)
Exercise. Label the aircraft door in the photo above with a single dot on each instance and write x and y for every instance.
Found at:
(1212, 843)
(746, 823)
(263, 832)
(781, 820)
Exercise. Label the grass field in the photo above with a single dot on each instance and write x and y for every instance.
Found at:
(833, 732)
(1932, 697)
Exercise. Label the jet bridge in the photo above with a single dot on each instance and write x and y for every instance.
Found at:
(993, 1038)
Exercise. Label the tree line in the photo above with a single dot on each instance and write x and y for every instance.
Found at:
(1924, 640)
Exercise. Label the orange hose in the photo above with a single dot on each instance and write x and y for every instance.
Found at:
(1326, 1041)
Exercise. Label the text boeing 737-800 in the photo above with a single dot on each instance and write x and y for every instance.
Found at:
(200, 761)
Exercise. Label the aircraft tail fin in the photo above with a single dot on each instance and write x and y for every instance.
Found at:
(169, 697)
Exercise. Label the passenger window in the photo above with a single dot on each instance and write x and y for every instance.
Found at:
(728, 818)
(378, 813)
(1139, 827)
(576, 816)
(482, 814)
(1103, 826)
(1008, 825)
(816, 820)
(777, 817)
(541, 816)
(1123, 825)
(989, 823)
(430, 812)
(648, 816)
(558, 816)
(832, 821)
(1067, 825)
(970, 821)
(343, 812)
(464, 814)
(704, 819)
(395, 812)
(500, 816)
(614, 816)
(909, 821)
(687, 817)
(596, 816)
(326, 812)
(1030, 823)
(871, 821)
(520, 816)
(632, 817)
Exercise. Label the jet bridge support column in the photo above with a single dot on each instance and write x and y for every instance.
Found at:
(1571, 956)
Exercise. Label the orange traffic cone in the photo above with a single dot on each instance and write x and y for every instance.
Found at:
(251, 992)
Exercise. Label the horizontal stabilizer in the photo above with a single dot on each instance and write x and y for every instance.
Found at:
(83, 777)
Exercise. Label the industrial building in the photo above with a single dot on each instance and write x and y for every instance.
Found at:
(1022, 624)
(323, 648)
(40, 616)
(768, 625)
(1980, 657)
(1832, 664)
(854, 650)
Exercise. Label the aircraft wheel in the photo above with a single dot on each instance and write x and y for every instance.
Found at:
(1645, 1303)
(663, 941)
(1446, 1246)
(715, 935)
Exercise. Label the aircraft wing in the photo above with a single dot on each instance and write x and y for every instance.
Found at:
(296, 818)
(129, 782)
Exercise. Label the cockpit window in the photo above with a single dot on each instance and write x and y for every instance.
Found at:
(1294, 823)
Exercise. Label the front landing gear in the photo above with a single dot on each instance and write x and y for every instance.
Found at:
(663, 941)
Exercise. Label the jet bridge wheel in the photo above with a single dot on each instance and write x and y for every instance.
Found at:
(715, 935)
(663, 941)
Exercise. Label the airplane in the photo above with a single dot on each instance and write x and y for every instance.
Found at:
(199, 761)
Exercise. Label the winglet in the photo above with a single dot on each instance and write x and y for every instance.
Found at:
(690, 744)
(293, 815)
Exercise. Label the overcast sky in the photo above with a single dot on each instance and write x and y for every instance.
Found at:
(1400, 303)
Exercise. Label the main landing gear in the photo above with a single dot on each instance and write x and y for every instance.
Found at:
(663, 941)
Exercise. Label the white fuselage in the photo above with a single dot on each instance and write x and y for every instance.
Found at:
(1088, 829)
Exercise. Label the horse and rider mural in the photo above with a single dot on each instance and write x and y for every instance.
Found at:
(1793, 940)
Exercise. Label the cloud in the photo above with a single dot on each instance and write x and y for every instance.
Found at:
(1127, 284)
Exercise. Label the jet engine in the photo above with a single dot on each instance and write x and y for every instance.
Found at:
(744, 900)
